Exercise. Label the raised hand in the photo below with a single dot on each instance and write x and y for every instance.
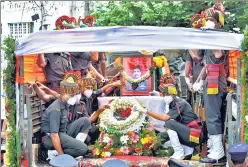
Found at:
(101, 109)
(30, 84)
(118, 83)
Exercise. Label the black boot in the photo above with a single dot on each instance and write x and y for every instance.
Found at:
(214, 161)
(188, 157)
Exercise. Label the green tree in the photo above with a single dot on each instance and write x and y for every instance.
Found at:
(166, 13)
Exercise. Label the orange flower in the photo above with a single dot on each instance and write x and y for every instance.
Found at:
(131, 133)
(150, 139)
(118, 61)
(138, 150)
(118, 152)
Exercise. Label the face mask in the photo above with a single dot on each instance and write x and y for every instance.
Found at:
(72, 100)
(88, 93)
(168, 99)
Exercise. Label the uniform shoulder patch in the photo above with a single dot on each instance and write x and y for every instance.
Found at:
(57, 109)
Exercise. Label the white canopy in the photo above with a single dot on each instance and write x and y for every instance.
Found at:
(133, 38)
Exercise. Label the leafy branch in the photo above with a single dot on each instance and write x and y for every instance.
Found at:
(9, 86)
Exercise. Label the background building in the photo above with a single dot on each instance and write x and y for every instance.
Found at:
(22, 18)
(16, 17)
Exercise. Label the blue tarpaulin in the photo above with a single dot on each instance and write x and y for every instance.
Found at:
(133, 38)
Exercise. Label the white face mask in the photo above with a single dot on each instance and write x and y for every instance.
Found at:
(88, 93)
(168, 99)
(73, 100)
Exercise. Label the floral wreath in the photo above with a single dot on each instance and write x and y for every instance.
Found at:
(124, 132)
(119, 118)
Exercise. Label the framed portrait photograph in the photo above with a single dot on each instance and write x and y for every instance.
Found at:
(135, 67)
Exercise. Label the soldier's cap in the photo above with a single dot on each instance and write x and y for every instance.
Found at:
(71, 84)
(89, 81)
(168, 89)
(238, 152)
(168, 79)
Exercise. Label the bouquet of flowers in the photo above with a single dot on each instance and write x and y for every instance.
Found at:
(131, 143)
(125, 132)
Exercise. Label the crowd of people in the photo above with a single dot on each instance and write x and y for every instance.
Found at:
(69, 123)
(68, 126)
(206, 73)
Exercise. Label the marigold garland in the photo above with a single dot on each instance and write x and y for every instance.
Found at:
(9, 72)
(135, 82)
(244, 46)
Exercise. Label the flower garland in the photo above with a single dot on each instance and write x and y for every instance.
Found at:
(134, 82)
(138, 80)
(125, 134)
(244, 46)
(12, 145)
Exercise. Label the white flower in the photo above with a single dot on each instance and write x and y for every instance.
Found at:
(106, 139)
(108, 154)
(124, 139)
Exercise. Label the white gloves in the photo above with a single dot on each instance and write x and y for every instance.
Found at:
(198, 86)
(139, 109)
(154, 93)
(190, 85)
(75, 99)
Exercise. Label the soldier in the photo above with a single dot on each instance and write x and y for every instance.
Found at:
(55, 132)
(81, 61)
(193, 66)
(182, 124)
(214, 83)
(45, 93)
(100, 63)
(90, 103)
(55, 66)
(86, 107)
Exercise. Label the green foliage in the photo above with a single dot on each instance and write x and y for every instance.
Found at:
(237, 15)
(165, 13)
(245, 81)
(9, 82)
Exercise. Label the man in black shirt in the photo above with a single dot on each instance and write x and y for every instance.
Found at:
(193, 66)
(181, 122)
(55, 66)
(81, 61)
